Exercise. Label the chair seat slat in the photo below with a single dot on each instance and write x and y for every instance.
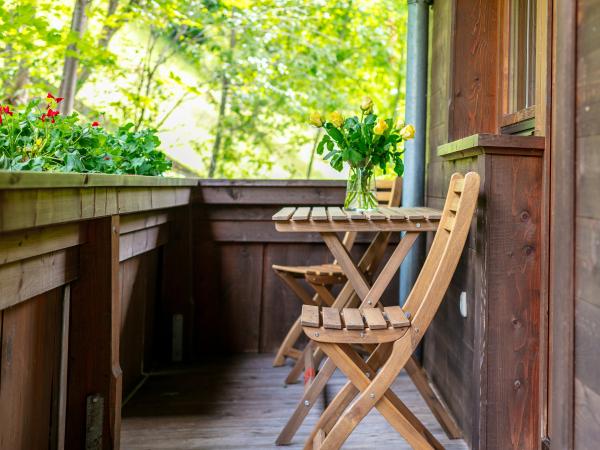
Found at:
(353, 319)
(331, 318)
(396, 316)
(374, 318)
(310, 316)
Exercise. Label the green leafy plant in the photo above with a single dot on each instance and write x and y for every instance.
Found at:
(41, 139)
(363, 143)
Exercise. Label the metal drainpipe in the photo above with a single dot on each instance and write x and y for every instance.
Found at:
(416, 113)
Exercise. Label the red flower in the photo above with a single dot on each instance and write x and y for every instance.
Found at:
(56, 99)
(5, 110)
(51, 114)
(107, 157)
(95, 124)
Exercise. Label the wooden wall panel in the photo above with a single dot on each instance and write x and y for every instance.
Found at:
(474, 72)
(240, 304)
(440, 78)
(139, 289)
(29, 372)
(586, 409)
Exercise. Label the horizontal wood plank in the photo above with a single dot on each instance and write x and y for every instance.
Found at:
(318, 213)
(336, 213)
(25, 244)
(302, 213)
(284, 213)
(142, 241)
(32, 208)
(24, 279)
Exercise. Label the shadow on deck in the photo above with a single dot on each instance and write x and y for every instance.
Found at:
(240, 402)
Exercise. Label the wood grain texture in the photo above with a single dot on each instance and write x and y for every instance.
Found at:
(29, 208)
(562, 234)
(27, 278)
(474, 75)
(501, 330)
(30, 371)
(94, 365)
(581, 326)
(138, 290)
(192, 408)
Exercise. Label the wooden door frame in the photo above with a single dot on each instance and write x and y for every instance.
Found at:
(561, 243)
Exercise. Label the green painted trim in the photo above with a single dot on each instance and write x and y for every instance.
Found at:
(494, 144)
(36, 180)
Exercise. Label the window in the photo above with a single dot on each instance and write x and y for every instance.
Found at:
(519, 66)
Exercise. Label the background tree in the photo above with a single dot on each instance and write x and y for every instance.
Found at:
(227, 83)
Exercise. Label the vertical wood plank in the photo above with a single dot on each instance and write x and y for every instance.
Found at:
(176, 294)
(64, 367)
(30, 360)
(562, 227)
(95, 325)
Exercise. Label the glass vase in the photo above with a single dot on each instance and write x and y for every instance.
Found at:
(361, 193)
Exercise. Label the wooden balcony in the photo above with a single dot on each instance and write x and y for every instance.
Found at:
(134, 290)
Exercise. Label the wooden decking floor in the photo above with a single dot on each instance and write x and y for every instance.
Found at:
(241, 403)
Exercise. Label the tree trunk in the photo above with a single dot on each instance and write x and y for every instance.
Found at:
(225, 82)
(312, 154)
(107, 33)
(69, 79)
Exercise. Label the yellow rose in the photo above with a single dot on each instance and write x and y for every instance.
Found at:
(366, 105)
(337, 119)
(408, 132)
(380, 127)
(315, 119)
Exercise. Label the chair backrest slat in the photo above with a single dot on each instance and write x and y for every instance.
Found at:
(446, 249)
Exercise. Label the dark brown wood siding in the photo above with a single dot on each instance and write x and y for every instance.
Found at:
(241, 305)
(487, 365)
(587, 229)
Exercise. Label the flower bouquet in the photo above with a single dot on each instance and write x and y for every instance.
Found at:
(364, 143)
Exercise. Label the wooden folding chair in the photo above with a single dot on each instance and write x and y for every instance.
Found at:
(394, 333)
(321, 278)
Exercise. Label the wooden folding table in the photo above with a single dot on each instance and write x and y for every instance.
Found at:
(329, 221)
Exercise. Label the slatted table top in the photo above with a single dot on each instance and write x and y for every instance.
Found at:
(321, 219)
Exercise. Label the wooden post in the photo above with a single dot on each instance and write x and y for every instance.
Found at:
(94, 366)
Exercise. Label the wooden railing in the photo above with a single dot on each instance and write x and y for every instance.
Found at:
(81, 260)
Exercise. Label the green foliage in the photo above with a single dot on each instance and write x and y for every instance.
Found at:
(233, 79)
(32, 139)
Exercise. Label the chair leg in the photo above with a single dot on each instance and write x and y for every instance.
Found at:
(287, 345)
(348, 392)
(441, 413)
(299, 365)
(306, 403)
(376, 394)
